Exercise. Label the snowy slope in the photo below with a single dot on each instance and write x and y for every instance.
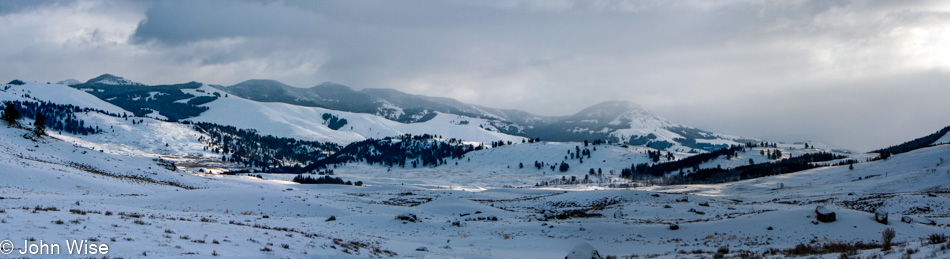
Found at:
(945, 139)
(56, 93)
(286, 120)
(494, 167)
(238, 216)
(480, 206)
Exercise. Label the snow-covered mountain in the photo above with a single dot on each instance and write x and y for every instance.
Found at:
(617, 121)
(113, 80)
(151, 187)
(283, 110)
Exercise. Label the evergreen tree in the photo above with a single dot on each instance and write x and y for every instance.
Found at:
(10, 114)
(39, 125)
(563, 167)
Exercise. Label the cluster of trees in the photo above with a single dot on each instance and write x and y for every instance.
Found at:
(590, 178)
(326, 179)
(788, 165)
(690, 135)
(693, 162)
(578, 154)
(333, 122)
(10, 114)
(142, 101)
(57, 117)
(271, 154)
(563, 166)
(565, 181)
(921, 142)
(656, 155)
(771, 154)
(499, 143)
(415, 151)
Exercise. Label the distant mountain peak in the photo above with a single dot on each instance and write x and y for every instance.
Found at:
(614, 109)
(259, 82)
(69, 82)
(110, 79)
(333, 86)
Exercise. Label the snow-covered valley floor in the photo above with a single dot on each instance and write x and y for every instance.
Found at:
(56, 189)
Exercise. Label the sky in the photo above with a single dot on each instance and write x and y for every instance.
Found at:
(855, 74)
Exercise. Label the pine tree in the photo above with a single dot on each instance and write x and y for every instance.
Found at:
(564, 167)
(39, 125)
(10, 114)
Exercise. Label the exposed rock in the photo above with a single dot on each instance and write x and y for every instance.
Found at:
(407, 217)
(918, 220)
(824, 214)
(880, 217)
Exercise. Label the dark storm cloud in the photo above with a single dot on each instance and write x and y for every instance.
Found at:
(785, 70)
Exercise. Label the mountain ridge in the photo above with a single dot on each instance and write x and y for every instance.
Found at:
(613, 121)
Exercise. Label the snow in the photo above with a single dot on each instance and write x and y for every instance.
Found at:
(113, 80)
(59, 94)
(140, 208)
(177, 221)
(286, 120)
(154, 114)
(583, 251)
(945, 139)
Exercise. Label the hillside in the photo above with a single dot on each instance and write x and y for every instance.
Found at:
(614, 121)
(130, 202)
(189, 187)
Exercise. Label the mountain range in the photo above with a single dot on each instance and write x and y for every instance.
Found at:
(614, 121)
(206, 170)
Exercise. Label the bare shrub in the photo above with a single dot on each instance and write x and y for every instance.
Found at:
(886, 237)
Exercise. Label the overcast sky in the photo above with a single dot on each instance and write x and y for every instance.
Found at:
(857, 74)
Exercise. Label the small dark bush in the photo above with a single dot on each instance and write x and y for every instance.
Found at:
(937, 238)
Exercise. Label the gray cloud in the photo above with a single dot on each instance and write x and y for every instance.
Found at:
(856, 73)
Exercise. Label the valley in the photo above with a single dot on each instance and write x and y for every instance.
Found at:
(148, 185)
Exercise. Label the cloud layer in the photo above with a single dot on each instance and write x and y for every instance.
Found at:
(859, 74)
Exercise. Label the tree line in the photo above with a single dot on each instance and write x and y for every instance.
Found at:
(269, 153)
(918, 143)
(412, 150)
(56, 117)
